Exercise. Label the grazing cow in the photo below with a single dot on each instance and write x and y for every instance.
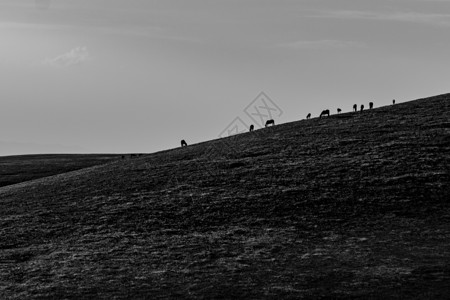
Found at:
(339, 110)
(269, 122)
(183, 143)
(370, 105)
(355, 107)
(393, 102)
(308, 116)
(325, 112)
(252, 128)
(362, 107)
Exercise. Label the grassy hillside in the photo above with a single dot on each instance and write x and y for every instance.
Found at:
(354, 205)
(20, 168)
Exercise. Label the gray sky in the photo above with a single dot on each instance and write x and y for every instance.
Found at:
(140, 75)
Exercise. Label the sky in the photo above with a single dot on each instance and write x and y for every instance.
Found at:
(137, 76)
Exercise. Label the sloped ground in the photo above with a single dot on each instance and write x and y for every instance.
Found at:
(355, 205)
(21, 168)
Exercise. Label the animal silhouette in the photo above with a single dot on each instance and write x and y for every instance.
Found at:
(252, 128)
(270, 122)
(183, 143)
(355, 107)
(362, 107)
(308, 116)
(325, 112)
(370, 105)
(339, 110)
(393, 102)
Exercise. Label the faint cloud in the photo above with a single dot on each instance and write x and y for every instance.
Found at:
(74, 57)
(321, 44)
(410, 17)
(431, 19)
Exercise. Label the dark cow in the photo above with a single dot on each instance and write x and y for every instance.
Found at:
(183, 143)
(370, 105)
(393, 102)
(270, 122)
(252, 128)
(339, 110)
(308, 116)
(355, 107)
(362, 107)
(325, 112)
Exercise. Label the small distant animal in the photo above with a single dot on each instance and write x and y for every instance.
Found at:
(270, 122)
(308, 116)
(370, 105)
(325, 112)
(252, 127)
(183, 143)
(393, 102)
(339, 110)
(362, 107)
(355, 107)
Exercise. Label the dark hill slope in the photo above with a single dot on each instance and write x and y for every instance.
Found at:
(21, 168)
(355, 205)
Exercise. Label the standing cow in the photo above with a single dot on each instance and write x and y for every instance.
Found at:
(339, 110)
(308, 116)
(355, 107)
(183, 143)
(252, 128)
(370, 105)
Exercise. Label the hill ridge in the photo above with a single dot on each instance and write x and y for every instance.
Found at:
(21, 168)
(348, 114)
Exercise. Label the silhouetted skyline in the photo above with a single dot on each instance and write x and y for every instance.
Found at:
(140, 75)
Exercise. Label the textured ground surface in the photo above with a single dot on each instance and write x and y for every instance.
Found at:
(16, 169)
(354, 205)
